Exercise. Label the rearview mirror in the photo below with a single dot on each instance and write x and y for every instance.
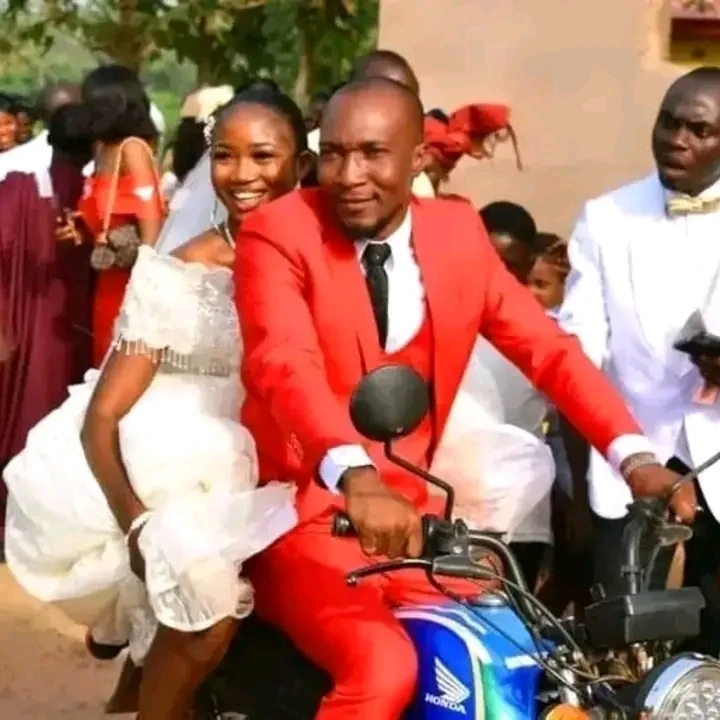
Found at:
(389, 403)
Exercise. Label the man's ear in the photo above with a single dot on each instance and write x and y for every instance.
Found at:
(420, 159)
(304, 164)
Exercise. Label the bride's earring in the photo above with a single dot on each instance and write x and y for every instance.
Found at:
(214, 214)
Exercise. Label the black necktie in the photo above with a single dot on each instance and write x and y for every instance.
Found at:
(373, 260)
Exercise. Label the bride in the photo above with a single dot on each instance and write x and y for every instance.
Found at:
(134, 503)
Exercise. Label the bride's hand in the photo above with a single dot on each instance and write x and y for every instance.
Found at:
(137, 561)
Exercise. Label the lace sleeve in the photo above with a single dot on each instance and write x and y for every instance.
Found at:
(161, 313)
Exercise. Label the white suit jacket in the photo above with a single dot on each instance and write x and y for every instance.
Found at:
(637, 275)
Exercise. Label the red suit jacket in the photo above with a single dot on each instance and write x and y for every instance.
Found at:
(309, 333)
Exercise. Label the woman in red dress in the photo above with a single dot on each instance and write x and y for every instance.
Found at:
(124, 191)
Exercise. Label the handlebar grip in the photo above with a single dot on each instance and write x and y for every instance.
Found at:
(342, 526)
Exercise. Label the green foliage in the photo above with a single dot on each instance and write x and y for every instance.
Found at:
(314, 42)
(169, 104)
(25, 72)
(304, 44)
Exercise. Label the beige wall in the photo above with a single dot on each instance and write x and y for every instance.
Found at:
(583, 79)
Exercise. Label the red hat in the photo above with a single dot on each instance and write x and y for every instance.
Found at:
(472, 130)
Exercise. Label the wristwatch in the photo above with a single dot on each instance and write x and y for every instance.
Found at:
(638, 460)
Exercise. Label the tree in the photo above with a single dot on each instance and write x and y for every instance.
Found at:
(118, 30)
(328, 36)
(303, 44)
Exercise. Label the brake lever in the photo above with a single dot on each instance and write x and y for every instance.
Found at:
(354, 577)
(460, 566)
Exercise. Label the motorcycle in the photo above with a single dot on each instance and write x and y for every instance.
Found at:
(502, 655)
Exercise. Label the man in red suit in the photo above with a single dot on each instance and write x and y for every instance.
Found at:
(332, 283)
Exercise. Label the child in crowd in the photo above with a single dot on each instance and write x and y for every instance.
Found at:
(513, 232)
(547, 276)
(538, 260)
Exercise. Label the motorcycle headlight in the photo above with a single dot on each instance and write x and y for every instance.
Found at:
(686, 687)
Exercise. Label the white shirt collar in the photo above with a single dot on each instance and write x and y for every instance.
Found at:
(399, 240)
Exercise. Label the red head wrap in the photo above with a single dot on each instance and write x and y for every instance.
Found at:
(470, 130)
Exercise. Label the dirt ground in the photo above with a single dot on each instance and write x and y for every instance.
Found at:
(45, 671)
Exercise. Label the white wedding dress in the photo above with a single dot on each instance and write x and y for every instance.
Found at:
(492, 450)
(187, 458)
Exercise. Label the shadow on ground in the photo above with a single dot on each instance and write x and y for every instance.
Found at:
(45, 671)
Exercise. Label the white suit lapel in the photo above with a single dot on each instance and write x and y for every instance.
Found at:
(671, 272)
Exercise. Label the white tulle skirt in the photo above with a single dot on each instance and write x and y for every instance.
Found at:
(502, 474)
(190, 463)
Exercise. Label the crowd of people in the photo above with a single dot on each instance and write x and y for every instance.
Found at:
(183, 319)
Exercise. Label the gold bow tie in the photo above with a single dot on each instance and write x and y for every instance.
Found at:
(680, 205)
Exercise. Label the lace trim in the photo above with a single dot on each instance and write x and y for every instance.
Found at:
(172, 358)
(193, 268)
(180, 315)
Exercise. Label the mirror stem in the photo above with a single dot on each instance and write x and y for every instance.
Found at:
(445, 487)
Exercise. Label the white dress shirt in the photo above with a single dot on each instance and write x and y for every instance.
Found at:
(406, 312)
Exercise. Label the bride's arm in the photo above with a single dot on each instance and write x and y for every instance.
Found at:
(146, 325)
(124, 379)
(157, 323)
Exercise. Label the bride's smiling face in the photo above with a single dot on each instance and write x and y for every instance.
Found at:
(253, 157)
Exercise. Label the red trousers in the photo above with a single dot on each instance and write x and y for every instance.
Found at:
(348, 631)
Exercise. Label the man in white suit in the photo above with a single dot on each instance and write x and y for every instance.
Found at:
(644, 259)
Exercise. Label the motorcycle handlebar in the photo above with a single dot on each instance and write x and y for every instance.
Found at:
(342, 527)
(645, 515)
(445, 539)
(438, 537)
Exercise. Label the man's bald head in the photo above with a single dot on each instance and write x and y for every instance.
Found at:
(371, 149)
(386, 64)
(375, 92)
(707, 77)
(56, 96)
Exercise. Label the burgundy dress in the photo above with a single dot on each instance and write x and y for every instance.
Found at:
(45, 305)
